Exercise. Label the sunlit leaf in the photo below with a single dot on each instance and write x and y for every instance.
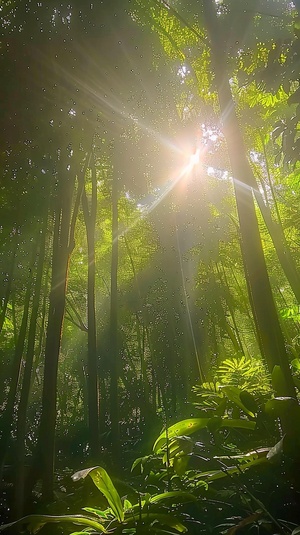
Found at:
(174, 497)
(104, 483)
(184, 427)
(296, 364)
(102, 514)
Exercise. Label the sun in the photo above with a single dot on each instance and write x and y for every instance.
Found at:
(194, 158)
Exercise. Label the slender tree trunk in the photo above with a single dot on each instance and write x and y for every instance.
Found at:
(41, 336)
(147, 411)
(92, 361)
(281, 246)
(263, 306)
(62, 246)
(16, 369)
(114, 346)
(24, 398)
(6, 294)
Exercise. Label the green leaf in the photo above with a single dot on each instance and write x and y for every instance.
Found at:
(214, 423)
(238, 423)
(180, 464)
(127, 505)
(248, 456)
(296, 364)
(174, 497)
(103, 514)
(212, 475)
(276, 407)
(36, 522)
(184, 427)
(234, 394)
(104, 483)
(179, 446)
(249, 401)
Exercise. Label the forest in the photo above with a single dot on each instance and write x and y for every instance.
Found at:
(149, 267)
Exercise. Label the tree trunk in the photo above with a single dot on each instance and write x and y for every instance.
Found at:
(114, 346)
(263, 306)
(280, 244)
(6, 293)
(16, 369)
(92, 361)
(62, 246)
(25, 392)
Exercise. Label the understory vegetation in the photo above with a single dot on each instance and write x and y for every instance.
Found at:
(149, 267)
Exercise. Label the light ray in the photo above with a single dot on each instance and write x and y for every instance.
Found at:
(186, 299)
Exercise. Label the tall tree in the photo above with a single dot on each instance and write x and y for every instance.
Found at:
(114, 306)
(19, 488)
(16, 367)
(262, 301)
(63, 245)
(89, 206)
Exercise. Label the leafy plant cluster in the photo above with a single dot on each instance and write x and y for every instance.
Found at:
(211, 473)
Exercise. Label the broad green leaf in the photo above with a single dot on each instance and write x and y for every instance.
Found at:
(214, 423)
(249, 401)
(248, 456)
(230, 470)
(184, 427)
(234, 394)
(127, 505)
(174, 497)
(36, 522)
(104, 483)
(279, 406)
(190, 426)
(103, 514)
(238, 423)
(178, 446)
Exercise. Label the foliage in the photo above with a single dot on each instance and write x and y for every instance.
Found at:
(199, 457)
(246, 374)
(147, 514)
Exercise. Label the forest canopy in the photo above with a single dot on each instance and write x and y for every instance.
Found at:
(149, 243)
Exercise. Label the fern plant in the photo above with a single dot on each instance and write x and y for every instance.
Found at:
(244, 373)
